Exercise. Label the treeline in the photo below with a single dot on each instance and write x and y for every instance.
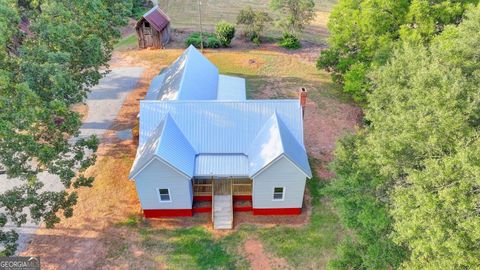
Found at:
(408, 184)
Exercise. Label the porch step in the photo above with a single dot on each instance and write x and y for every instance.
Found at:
(222, 212)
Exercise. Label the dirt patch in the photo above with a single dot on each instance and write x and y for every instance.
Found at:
(324, 126)
(260, 259)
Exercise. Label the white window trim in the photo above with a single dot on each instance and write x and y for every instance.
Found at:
(169, 195)
(283, 194)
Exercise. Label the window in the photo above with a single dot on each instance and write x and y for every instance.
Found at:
(147, 24)
(164, 194)
(278, 193)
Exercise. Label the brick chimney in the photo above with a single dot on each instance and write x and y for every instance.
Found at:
(302, 96)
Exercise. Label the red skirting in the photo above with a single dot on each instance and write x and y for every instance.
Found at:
(277, 211)
(242, 208)
(202, 210)
(242, 198)
(158, 213)
(202, 198)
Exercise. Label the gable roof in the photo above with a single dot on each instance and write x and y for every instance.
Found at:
(273, 141)
(156, 17)
(237, 134)
(170, 145)
(191, 77)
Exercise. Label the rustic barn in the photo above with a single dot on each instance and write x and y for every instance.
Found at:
(153, 29)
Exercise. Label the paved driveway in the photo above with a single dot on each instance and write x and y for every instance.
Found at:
(104, 103)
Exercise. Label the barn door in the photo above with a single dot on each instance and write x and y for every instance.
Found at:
(147, 34)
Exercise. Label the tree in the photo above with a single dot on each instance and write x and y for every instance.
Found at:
(294, 15)
(411, 178)
(52, 53)
(364, 33)
(225, 33)
(253, 23)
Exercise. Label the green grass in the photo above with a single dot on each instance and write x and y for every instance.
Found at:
(192, 248)
(127, 42)
(307, 247)
(313, 245)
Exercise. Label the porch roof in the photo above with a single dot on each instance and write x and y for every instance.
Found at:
(221, 165)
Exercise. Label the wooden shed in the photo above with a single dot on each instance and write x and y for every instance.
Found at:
(153, 29)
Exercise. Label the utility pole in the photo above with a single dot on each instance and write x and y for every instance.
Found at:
(201, 27)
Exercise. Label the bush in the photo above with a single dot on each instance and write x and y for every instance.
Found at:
(225, 32)
(290, 41)
(253, 23)
(209, 40)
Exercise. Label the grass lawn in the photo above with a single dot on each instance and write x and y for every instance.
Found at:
(127, 42)
(307, 247)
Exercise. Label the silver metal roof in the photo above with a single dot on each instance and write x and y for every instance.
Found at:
(273, 141)
(221, 165)
(168, 144)
(191, 77)
(221, 131)
(231, 88)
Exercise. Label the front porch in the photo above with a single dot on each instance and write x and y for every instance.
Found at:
(222, 197)
(204, 190)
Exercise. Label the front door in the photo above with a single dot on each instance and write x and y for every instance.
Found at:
(222, 186)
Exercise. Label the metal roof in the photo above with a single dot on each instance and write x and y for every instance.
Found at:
(221, 165)
(154, 89)
(190, 77)
(157, 18)
(222, 131)
(220, 126)
(231, 88)
(193, 77)
(273, 141)
(170, 145)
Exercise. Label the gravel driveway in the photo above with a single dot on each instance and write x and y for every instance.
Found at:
(104, 103)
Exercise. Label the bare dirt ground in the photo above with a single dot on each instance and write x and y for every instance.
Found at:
(260, 259)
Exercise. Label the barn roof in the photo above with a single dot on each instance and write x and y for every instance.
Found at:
(230, 137)
(157, 18)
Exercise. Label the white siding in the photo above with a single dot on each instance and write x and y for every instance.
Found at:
(280, 174)
(159, 175)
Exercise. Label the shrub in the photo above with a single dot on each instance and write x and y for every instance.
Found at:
(290, 41)
(209, 40)
(253, 23)
(225, 32)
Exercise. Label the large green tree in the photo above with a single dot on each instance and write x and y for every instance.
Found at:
(51, 53)
(414, 169)
(363, 33)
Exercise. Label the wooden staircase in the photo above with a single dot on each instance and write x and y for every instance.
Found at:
(222, 212)
(222, 205)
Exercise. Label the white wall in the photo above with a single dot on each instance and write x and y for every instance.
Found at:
(159, 175)
(282, 173)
